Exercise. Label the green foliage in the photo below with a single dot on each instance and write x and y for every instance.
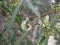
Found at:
(14, 8)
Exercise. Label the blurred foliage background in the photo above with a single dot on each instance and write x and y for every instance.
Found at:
(29, 22)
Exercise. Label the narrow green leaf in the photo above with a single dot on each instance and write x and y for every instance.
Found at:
(12, 36)
(18, 42)
(46, 41)
(53, 21)
(13, 16)
(40, 37)
(29, 42)
(19, 20)
(14, 13)
(30, 6)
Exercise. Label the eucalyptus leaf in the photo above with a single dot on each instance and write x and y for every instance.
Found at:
(30, 6)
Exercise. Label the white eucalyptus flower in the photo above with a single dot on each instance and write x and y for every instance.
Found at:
(51, 40)
(25, 26)
(47, 18)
